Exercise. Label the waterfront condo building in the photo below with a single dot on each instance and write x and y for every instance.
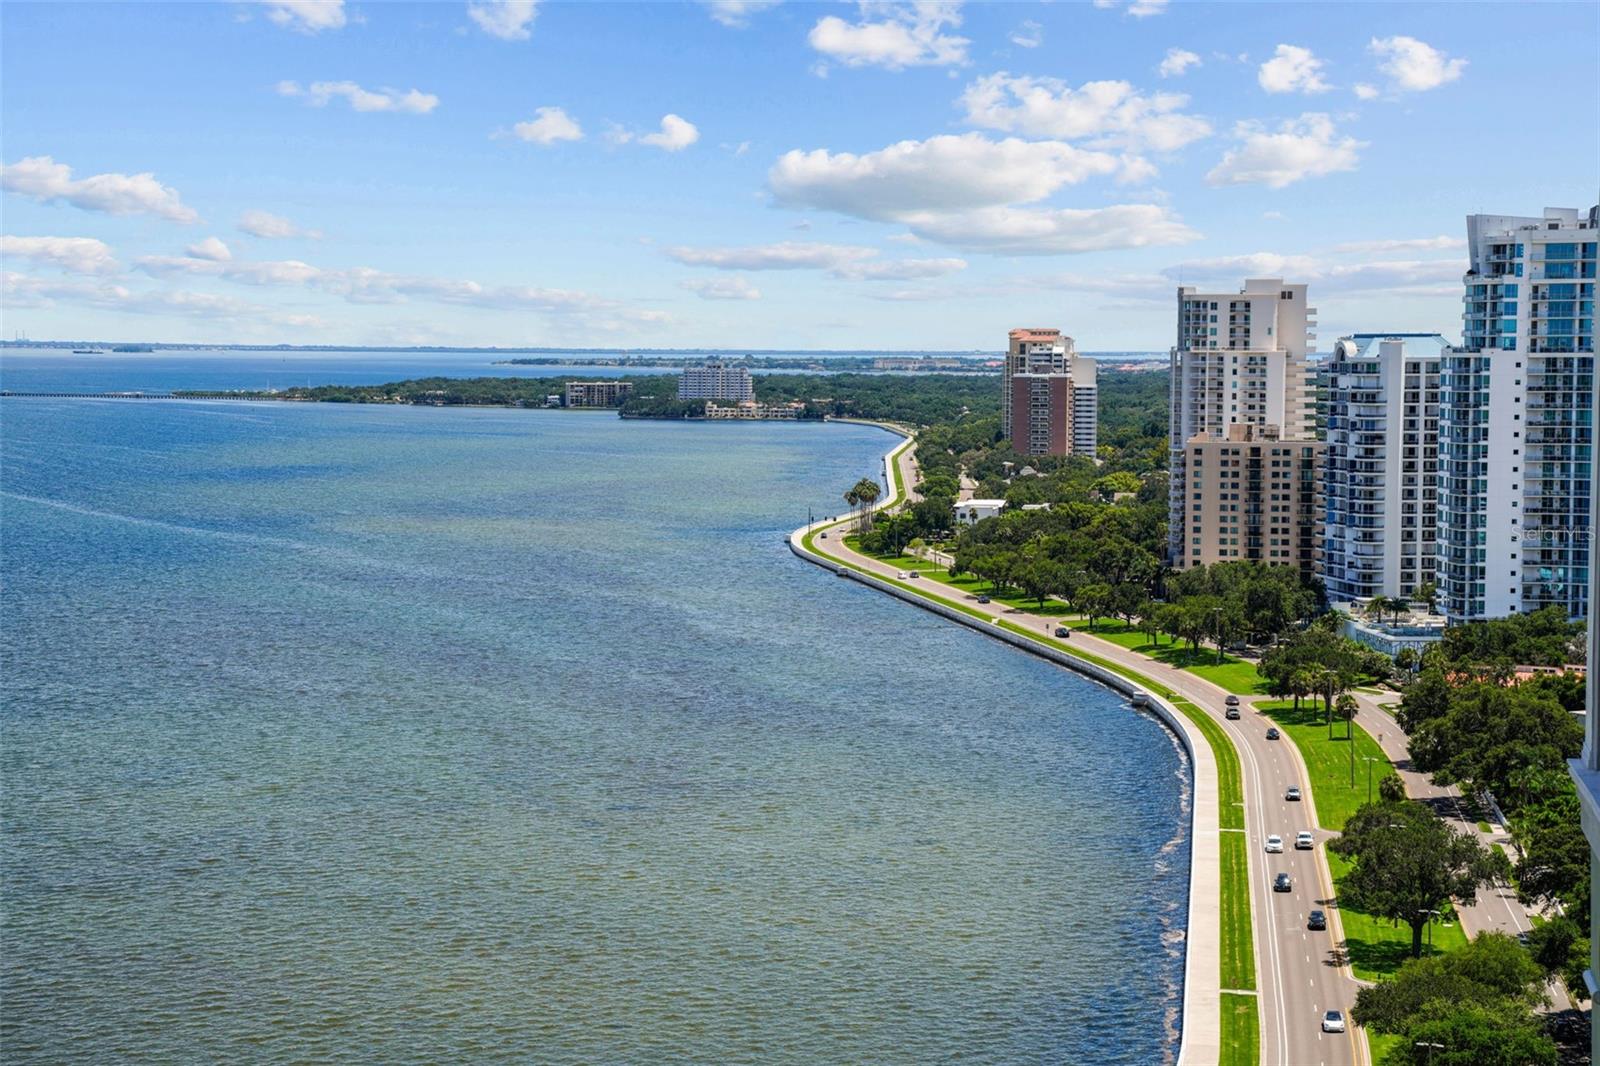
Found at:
(716, 381)
(1516, 434)
(1253, 495)
(1380, 467)
(1242, 358)
(598, 393)
(1049, 395)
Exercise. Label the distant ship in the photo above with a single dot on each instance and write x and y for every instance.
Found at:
(88, 351)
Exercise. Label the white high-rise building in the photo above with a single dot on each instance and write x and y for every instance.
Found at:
(1516, 404)
(1049, 395)
(1380, 465)
(716, 381)
(1241, 358)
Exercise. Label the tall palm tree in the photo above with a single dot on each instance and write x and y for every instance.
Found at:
(866, 493)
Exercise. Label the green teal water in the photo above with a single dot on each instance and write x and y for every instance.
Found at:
(403, 735)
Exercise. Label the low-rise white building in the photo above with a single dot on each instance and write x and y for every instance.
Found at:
(968, 512)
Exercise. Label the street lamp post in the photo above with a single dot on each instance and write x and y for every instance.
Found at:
(1370, 759)
(1430, 1046)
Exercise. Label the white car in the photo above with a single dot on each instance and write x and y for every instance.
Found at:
(1275, 843)
(1304, 841)
(901, 575)
(1333, 1022)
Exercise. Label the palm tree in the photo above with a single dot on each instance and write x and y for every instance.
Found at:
(866, 493)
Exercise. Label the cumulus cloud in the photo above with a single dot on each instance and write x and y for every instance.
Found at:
(1028, 35)
(675, 135)
(1053, 231)
(1137, 8)
(1414, 66)
(41, 178)
(1108, 113)
(736, 13)
(849, 261)
(722, 288)
(508, 20)
(1176, 62)
(307, 16)
(267, 225)
(893, 35)
(319, 93)
(73, 255)
(1292, 69)
(211, 248)
(550, 124)
(1365, 91)
(1306, 147)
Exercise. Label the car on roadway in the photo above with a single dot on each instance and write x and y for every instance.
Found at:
(1275, 844)
(1272, 733)
(1232, 701)
(1282, 883)
(983, 599)
(1292, 794)
(914, 575)
(1231, 714)
(1063, 632)
(1333, 1022)
(824, 536)
(1304, 841)
(902, 575)
(1317, 920)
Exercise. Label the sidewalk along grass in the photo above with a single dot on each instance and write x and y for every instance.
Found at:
(1236, 947)
(1376, 946)
(1231, 674)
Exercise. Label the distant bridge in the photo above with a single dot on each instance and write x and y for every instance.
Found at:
(136, 395)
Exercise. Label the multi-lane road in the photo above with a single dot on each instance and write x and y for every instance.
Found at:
(1300, 973)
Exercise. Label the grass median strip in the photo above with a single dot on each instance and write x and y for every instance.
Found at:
(1240, 1023)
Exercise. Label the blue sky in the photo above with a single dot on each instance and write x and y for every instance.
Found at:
(756, 174)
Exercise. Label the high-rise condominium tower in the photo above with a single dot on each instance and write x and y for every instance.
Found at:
(1241, 358)
(1516, 401)
(1380, 465)
(1049, 396)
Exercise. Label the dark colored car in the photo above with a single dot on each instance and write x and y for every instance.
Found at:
(1272, 733)
(1063, 631)
(1282, 883)
(1316, 920)
(1231, 714)
(983, 599)
(1232, 701)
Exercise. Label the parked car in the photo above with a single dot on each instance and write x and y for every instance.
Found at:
(1292, 794)
(1063, 632)
(1282, 883)
(1272, 733)
(1231, 714)
(1232, 701)
(1333, 1022)
(1275, 843)
(1304, 841)
(1317, 921)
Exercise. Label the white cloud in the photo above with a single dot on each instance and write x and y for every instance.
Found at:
(722, 288)
(1110, 113)
(1053, 231)
(1292, 69)
(893, 35)
(676, 134)
(41, 178)
(1440, 243)
(552, 124)
(1414, 66)
(21, 290)
(1028, 35)
(267, 225)
(1137, 8)
(1364, 91)
(211, 248)
(73, 255)
(307, 16)
(1306, 147)
(506, 19)
(736, 13)
(1176, 61)
(1414, 276)
(319, 93)
(848, 261)
(944, 173)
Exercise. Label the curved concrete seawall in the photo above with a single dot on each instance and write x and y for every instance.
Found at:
(1200, 1039)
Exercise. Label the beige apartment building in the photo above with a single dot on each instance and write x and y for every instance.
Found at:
(1049, 395)
(1253, 495)
(598, 393)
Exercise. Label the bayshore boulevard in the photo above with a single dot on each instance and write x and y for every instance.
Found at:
(1297, 973)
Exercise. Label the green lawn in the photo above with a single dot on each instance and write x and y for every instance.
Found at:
(1378, 946)
(1241, 1031)
(1380, 1044)
(1328, 761)
(1231, 675)
(1238, 943)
